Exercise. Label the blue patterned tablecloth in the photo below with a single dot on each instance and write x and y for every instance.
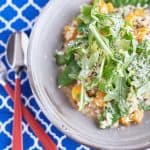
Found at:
(20, 15)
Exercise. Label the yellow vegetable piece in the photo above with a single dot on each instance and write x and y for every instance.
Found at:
(139, 12)
(76, 90)
(137, 116)
(130, 17)
(141, 32)
(110, 7)
(105, 7)
(70, 33)
(99, 99)
(124, 121)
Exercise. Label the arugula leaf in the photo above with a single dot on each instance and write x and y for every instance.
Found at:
(139, 70)
(105, 119)
(144, 89)
(60, 58)
(110, 115)
(102, 86)
(121, 91)
(119, 95)
(143, 106)
(108, 69)
(65, 78)
(125, 33)
(116, 112)
(84, 99)
(144, 48)
(93, 59)
(127, 2)
(99, 39)
(83, 28)
(85, 15)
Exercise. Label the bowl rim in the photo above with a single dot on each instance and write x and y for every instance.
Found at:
(37, 95)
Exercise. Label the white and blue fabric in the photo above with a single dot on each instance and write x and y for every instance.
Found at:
(20, 15)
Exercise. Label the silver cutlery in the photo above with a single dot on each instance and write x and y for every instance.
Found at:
(16, 53)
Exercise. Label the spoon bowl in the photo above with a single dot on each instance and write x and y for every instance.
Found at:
(17, 49)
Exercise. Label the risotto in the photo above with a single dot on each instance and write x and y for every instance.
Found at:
(105, 63)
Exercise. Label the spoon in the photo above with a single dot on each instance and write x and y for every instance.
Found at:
(16, 59)
(23, 40)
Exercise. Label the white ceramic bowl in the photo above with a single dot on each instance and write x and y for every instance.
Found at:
(45, 39)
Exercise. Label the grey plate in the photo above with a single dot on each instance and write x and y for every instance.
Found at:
(45, 39)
